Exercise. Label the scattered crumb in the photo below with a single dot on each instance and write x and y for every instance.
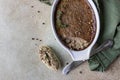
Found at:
(36, 45)
(67, 63)
(80, 72)
(38, 11)
(32, 6)
(33, 38)
(43, 23)
(37, 39)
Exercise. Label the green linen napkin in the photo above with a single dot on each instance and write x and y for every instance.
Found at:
(49, 2)
(110, 29)
(109, 11)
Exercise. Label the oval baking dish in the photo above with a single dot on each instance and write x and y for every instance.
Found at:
(80, 54)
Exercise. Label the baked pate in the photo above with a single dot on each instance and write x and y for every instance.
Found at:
(75, 23)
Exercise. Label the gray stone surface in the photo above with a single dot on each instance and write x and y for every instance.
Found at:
(22, 20)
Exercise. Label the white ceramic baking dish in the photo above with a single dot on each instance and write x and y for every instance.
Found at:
(82, 54)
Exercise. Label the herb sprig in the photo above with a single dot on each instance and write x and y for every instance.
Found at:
(59, 21)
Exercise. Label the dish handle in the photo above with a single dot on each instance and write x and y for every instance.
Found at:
(80, 55)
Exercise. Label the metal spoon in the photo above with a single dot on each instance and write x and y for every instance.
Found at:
(105, 45)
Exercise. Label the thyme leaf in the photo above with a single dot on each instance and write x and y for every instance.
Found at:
(59, 21)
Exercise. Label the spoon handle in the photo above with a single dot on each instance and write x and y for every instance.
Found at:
(105, 45)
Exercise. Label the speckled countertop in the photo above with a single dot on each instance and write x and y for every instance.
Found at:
(25, 24)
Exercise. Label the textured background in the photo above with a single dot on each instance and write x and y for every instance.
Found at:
(23, 24)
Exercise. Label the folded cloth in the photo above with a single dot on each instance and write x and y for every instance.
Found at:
(109, 11)
(49, 2)
(110, 29)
